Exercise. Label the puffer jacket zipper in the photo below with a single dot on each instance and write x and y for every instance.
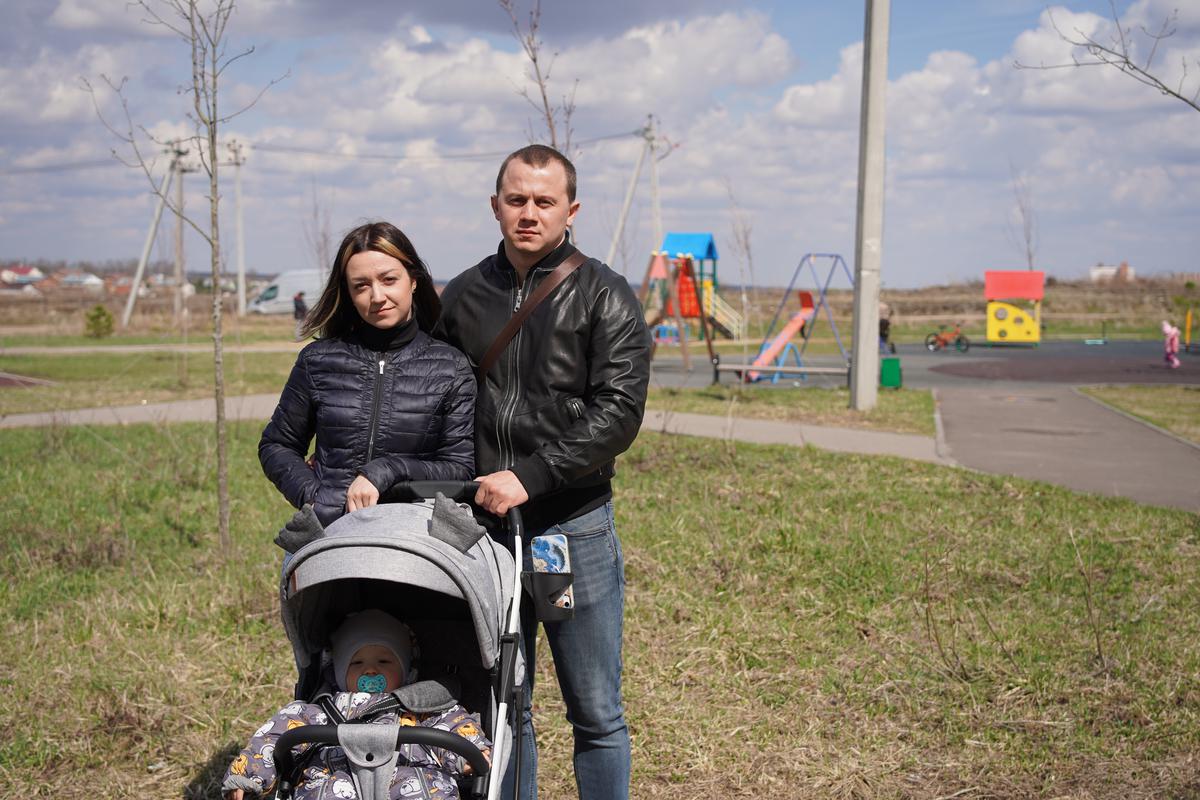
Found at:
(377, 399)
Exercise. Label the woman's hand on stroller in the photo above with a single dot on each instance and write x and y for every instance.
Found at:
(361, 494)
(499, 492)
(234, 794)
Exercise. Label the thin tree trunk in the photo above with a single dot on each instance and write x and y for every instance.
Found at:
(209, 115)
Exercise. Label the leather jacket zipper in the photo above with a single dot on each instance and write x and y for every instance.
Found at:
(508, 404)
(377, 399)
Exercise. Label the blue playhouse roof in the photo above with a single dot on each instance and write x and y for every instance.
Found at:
(699, 245)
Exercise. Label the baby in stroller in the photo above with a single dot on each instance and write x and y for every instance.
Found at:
(372, 655)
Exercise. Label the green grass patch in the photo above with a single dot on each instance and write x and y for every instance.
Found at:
(901, 411)
(83, 380)
(1173, 408)
(798, 623)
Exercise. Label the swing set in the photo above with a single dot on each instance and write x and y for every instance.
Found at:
(776, 348)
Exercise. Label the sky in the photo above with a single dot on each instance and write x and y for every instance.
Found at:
(403, 112)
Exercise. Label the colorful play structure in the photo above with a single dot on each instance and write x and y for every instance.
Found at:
(1014, 305)
(680, 279)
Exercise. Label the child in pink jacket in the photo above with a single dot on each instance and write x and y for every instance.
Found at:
(1170, 345)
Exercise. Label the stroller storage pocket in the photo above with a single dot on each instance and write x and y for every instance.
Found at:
(548, 590)
(550, 582)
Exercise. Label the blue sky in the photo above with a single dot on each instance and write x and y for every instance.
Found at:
(760, 97)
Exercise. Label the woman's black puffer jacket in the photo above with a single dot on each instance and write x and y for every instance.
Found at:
(398, 415)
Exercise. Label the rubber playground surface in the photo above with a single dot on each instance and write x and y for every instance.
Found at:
(1067, 362)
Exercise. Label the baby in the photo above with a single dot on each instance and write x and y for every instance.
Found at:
(372, 655)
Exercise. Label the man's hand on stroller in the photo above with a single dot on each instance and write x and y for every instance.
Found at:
(499, 492)
(361, 494)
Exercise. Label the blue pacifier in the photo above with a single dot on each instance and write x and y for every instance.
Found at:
(373, 684)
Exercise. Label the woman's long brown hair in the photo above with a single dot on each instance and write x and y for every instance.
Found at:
(334, 313)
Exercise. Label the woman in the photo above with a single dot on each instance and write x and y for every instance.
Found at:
(385, 401)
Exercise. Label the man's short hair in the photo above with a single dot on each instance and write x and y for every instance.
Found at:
(539, 155)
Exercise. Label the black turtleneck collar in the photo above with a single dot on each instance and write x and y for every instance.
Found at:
(549, 261)
(385, 340)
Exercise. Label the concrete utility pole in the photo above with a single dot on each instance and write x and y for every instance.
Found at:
(180, 269)
(654, 198)
(163, 188)
(236, 148)
(637, 171)
(868, 247)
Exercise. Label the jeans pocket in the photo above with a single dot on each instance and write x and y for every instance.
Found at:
(588, 533)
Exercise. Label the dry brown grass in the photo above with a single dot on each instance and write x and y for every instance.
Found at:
(799, 624)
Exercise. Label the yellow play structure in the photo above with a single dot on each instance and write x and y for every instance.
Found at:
(1014, 309)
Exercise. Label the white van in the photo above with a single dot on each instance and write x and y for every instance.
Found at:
(277, 297)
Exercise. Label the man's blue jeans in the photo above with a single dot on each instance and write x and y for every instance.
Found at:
(587, 661)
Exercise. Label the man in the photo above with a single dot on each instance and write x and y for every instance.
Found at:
(564, 398)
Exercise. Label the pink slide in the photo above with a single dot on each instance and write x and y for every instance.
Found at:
(779, 342)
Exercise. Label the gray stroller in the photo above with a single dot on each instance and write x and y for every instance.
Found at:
(461, 603)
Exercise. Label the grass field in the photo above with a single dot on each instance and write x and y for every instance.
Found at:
(1173, 408)
(84, 380)
(903, 411)
(799, 623)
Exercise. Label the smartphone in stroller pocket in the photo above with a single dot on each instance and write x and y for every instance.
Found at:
(552, 576)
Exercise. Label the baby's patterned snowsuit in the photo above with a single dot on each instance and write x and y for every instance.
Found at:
(421, 772)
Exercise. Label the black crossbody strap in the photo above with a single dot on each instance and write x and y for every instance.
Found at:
(551, 282)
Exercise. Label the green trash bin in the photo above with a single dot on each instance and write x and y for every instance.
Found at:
(889, 372)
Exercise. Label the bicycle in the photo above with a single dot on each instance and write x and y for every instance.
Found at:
(943, 339)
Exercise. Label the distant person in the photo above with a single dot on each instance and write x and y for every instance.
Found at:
(299, 312)
(1170, 345)
(384, 400)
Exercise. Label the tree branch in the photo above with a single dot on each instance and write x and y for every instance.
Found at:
(1117, 54)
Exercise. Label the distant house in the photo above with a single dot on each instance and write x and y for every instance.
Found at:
(1106, 274)
(118, 285)
(81, 280)
(21, 275)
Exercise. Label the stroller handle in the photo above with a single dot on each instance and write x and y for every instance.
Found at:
(458, 491)
(328, 734)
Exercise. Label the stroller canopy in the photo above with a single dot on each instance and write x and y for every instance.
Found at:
(392, 543)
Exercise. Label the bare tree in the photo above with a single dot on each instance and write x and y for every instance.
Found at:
(1026, 238)
(1119, 53)
(741, 228)
(556, 116)
(204, 30)
(318, 231)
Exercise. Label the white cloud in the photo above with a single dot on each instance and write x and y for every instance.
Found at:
(1108, 160)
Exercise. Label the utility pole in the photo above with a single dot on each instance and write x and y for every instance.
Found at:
(236, 148)
(652, 144)
(180, 269)
(637, 171)
(868, 246)
(163, 188)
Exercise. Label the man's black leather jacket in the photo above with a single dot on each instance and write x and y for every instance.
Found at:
(568, 393)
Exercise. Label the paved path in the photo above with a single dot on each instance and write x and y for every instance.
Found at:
(260, 406)
(1056, 434)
